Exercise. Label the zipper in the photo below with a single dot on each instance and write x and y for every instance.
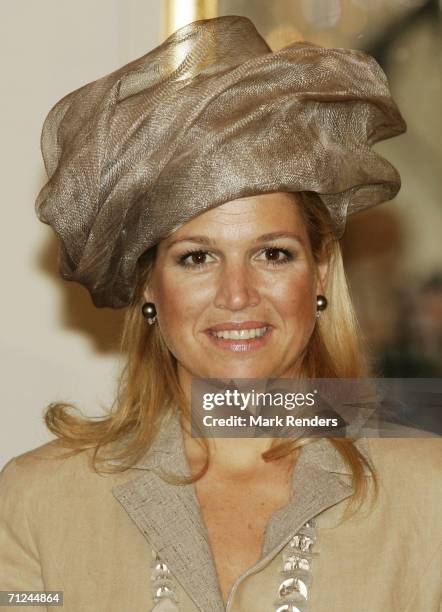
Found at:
(270, 555)
(255, 568)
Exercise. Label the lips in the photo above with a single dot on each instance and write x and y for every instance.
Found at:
(230, 325)
(220, 335)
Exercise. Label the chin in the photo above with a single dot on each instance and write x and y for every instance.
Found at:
(242, 372)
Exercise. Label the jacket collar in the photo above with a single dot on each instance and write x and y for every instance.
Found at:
(169, 515)
(167, 451)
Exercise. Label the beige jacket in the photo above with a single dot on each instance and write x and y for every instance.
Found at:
(63, 527)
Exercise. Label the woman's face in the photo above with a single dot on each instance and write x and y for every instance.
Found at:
(235, 290)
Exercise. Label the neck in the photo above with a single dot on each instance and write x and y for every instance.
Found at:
(236, 461)
(236, 458)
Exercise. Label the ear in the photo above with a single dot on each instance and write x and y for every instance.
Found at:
(148, 294)
(322, 277)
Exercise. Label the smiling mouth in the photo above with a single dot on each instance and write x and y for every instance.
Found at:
(240, 334)
(240, 340)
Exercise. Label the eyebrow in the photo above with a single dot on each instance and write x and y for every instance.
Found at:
(263, 238)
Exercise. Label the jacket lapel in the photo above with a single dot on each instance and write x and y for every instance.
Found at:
(169, 516)
(315, 487)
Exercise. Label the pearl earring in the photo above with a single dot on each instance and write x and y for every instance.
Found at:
(321, 304)
(150, 312)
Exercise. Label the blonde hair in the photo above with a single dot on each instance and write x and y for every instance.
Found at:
(148, 385)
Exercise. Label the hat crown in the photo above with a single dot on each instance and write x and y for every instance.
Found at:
(210, 115)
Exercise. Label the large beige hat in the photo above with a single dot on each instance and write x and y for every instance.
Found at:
(210, 115)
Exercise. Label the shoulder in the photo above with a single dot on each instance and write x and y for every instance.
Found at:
(49, 468)
(411, 467)
(414, 454)
(44, 484)
(42, 461)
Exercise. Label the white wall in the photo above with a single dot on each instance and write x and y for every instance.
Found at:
(54, 344)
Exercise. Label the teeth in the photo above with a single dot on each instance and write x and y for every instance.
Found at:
(241, 334)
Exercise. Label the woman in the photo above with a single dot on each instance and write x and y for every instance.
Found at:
(204, 186)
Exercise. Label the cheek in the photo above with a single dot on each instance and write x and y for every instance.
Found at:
(178, 301)
(178, 309)
(296, 296)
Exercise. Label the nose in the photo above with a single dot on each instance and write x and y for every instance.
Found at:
(236, 288)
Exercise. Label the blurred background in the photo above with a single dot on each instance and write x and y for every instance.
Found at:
(55, 345)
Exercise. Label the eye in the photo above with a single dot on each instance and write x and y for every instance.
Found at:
(193, 259)
(277, 256)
